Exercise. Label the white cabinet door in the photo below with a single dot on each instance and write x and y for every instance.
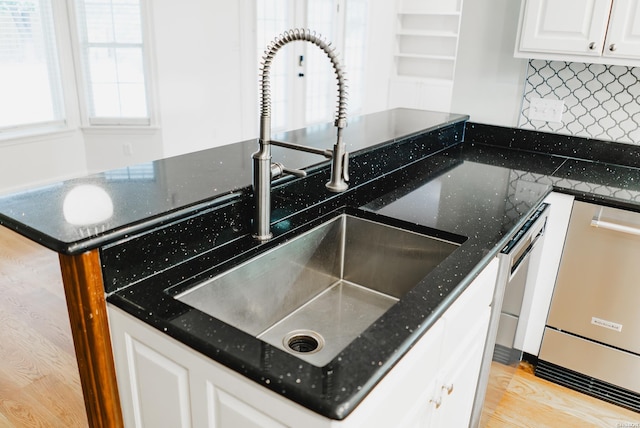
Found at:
(460, 377)
(565, 26)
(158, 388)
(402, 396)
(225, 410)
(447, 400)
(623, 36)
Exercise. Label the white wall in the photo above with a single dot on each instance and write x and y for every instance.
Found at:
(27, 162)
(196, 45)
(207, 87)
(382, 16)
(198, 58)
(208, 94)
(489, 81)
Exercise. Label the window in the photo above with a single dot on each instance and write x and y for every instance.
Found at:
(111, 77)
(29, 71)
(301, 75)
(111, 51)
(140, 172)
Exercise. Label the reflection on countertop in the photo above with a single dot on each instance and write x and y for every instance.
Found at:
(166, 189)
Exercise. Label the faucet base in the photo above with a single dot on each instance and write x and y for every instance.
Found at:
(337, 187)
(263, 237)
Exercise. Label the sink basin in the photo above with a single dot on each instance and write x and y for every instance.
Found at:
(314, 294)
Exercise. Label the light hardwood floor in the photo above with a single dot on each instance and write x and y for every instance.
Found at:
(39, 384)
(531, 402)
(39, 381)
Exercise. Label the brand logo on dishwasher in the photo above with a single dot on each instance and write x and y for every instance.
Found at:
(606, 324)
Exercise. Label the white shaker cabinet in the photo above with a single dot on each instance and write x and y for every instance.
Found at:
(592, 31)
(457, 382)
(447, 400)
(567, 26)
(623, 36)
(165, 383)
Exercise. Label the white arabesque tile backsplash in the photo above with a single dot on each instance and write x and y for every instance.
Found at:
(600, 101)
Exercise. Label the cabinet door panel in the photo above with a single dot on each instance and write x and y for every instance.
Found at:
(469, 308)
(623, 36)
(459, 382)
(228, 411)
(567, 26)
(160, 388)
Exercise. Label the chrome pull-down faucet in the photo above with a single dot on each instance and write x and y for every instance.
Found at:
(263, 168)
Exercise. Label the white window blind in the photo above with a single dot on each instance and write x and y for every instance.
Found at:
(30, 88)
(113, 63)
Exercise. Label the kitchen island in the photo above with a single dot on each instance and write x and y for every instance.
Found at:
(189, 218)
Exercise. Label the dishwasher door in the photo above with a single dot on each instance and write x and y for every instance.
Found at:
(503, 348)
(597, 293)
(507, 350)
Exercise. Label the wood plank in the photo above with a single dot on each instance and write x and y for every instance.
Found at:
(84, 289)
(39, 379)
(534, 402)
(42, 403)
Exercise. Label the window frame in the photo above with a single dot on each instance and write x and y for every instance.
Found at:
(103, 122)
(71, 84)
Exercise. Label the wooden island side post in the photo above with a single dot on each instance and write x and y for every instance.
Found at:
(85, 295)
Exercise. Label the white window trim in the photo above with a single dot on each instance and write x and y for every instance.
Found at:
(119, 130)
(34, 132)
(149, 70)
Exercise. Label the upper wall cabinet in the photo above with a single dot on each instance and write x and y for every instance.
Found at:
(592, 31)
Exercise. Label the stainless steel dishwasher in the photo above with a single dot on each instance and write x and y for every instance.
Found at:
(592, 339)
(519, 261)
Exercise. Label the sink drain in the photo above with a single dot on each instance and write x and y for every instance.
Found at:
(303, 341)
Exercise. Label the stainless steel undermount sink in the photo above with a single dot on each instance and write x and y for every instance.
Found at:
(314, 294)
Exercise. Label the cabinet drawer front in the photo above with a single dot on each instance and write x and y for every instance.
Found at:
(592, 359)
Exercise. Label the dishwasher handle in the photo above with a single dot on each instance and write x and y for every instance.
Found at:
(597, 221)
(520, 256)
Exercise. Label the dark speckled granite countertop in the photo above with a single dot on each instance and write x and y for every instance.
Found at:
(182, 220)
(161, 191)
(597, 171)
(481, 203)
(432, 190)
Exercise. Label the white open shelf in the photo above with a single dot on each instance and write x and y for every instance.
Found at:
(430, 7)
(426, 50)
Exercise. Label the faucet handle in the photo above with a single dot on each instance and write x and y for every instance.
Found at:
(345, 166)
(297, 172)
(277, 169)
